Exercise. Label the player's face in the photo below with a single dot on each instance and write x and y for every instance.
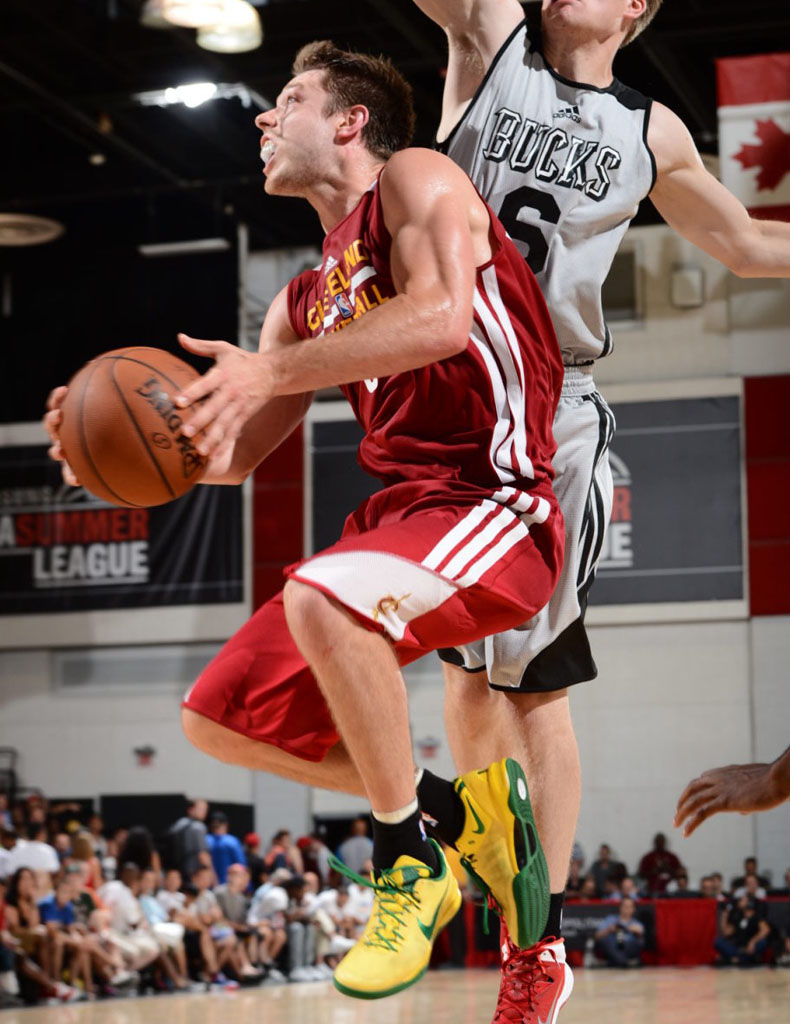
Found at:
(586, 19)
(297, 136)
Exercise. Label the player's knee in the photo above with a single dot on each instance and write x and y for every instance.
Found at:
(547, 709)
(305, 608)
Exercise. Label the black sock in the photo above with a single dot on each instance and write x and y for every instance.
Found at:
(439, 799)
(391, 841)
(554, 923)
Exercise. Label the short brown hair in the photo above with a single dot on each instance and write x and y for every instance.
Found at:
(374, 82)
(640, 24)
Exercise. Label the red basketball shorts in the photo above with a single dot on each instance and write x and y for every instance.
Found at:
(426, 567)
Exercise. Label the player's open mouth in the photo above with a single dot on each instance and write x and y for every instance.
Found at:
(267, 152)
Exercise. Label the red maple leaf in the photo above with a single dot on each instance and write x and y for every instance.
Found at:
(772, 156)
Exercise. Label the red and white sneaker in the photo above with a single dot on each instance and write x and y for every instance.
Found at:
(536, 983)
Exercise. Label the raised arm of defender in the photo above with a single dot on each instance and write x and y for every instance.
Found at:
(701, 209)
(476, 29)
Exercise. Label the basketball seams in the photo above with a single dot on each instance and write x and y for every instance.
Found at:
(83, 437)
(136, 425)
(148, 366)
(98, 420)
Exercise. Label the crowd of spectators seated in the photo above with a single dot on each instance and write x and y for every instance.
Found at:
(745, 934)
(84, 915)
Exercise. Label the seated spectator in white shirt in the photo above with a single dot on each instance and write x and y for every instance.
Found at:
(170, 896)
(267, 916)
(169, 934)
(37, 855)
(129, 929)
(228, 950)
(751, 887)
(336, 928)
(749, 868)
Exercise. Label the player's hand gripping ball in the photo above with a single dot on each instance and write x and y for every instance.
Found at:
(121, 432)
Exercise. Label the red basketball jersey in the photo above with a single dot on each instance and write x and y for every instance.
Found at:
(482, 417)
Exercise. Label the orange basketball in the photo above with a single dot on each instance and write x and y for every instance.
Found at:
(122, 433)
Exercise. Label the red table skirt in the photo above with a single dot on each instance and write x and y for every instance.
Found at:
(685, 930)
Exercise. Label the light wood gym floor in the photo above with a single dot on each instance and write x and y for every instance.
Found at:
(649, 996)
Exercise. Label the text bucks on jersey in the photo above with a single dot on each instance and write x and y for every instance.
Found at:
(565, 166)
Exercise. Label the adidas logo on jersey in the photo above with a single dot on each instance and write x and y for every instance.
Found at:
(331, 262)
(570, 112)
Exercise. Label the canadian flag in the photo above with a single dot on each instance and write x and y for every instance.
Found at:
(754, 131)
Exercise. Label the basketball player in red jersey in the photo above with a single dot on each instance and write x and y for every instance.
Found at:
(426, 315)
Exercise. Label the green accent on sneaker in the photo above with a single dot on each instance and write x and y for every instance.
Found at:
(359, 994)
(470, 807)
(530, 885)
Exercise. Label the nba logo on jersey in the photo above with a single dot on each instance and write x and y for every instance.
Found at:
(344, 305)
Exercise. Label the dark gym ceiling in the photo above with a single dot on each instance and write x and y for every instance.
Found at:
(76, 145)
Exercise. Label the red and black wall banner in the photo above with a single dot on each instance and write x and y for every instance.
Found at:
(61, 549)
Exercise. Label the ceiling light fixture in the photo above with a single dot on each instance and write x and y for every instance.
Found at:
(192, 95)
(192, 246)
(193, 13)
(28, 229)
(239, 31)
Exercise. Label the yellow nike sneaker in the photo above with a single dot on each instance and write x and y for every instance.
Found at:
(500, 849)
(412, 904)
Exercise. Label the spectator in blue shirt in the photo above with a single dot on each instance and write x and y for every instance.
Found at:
(59, 916)
(225, 849)
(58, 907)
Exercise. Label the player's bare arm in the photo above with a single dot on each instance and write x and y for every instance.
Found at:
(701, 209)
(439, 231)
(740, 788)
(475, 29)
(235, 457)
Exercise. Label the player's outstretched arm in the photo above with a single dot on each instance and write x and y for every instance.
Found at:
(475, 29)
(439, 229)
(701, 209)
(743, 788)
(237, 449)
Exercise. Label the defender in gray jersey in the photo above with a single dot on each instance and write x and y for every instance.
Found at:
(564, 153)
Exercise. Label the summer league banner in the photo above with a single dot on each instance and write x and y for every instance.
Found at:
(62, 550)
(675, 534)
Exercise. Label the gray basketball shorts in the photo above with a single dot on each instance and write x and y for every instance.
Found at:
(551, 650)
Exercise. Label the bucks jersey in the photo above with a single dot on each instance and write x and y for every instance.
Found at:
(565, 165)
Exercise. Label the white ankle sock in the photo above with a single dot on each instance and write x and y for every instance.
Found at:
(396, 817)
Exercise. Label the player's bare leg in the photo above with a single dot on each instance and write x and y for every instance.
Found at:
(360, 678)
(415, 893)
(484, 725)
(336, 771)
(537, 729)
